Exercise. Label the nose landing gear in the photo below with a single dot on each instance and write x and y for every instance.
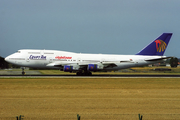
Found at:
(23, 73)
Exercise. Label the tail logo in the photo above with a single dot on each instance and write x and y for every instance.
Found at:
(160, 45)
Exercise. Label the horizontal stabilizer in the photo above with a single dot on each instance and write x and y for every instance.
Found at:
(158, 59)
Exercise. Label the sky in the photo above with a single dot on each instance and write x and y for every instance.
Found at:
(88, 26)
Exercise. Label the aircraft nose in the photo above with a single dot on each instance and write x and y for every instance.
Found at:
(7, 59)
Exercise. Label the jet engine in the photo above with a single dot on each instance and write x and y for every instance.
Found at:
(92, 67)
(68, 68)
(71, 68)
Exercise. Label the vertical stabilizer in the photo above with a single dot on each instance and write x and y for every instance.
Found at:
(158, 46)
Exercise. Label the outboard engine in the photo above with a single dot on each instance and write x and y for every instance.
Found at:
(92, 67)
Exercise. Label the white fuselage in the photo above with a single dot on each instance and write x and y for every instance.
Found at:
(57, 59)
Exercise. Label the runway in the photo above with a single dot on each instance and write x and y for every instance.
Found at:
(93, 76)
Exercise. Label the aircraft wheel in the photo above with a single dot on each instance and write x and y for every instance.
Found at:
(84, 73)
(23, 73)
(87, 73)
(90, 73)
(79, 73)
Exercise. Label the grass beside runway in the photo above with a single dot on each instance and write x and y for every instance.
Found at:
(95, 98)
(132, 71)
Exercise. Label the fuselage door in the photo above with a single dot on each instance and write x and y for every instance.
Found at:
(78, 60)
(50, 60)
(27, 59)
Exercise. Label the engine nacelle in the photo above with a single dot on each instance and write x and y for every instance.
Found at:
(92, 67)
(71, 68)
(68, 68)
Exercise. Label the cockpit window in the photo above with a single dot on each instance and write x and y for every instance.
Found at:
(18, 51)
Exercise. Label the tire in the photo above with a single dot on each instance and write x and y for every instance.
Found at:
(79, 73)
(23, 73)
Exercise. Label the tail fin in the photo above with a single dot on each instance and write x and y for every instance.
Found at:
(158, 46)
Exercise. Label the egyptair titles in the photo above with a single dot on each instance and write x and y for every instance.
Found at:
(42, 57)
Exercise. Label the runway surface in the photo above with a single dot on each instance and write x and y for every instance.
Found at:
(93, 76)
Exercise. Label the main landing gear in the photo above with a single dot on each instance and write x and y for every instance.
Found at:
(85, 73)
(23, 73)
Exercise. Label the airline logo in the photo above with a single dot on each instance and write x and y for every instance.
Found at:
(42, 57)
(92, 67)
(160, 45)
(62, 57)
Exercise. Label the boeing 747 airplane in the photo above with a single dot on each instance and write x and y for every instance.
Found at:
(85, 64)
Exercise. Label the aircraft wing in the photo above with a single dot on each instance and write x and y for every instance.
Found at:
(106, 64)
(84, 64)
(157, 59)
(55, 64)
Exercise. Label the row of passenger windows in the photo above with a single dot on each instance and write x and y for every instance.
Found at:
(48, 53)
(39, 53)
(35, 52)
(17, 58)
(62, 60)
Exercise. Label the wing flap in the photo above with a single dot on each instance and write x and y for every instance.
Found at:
(56, 64)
